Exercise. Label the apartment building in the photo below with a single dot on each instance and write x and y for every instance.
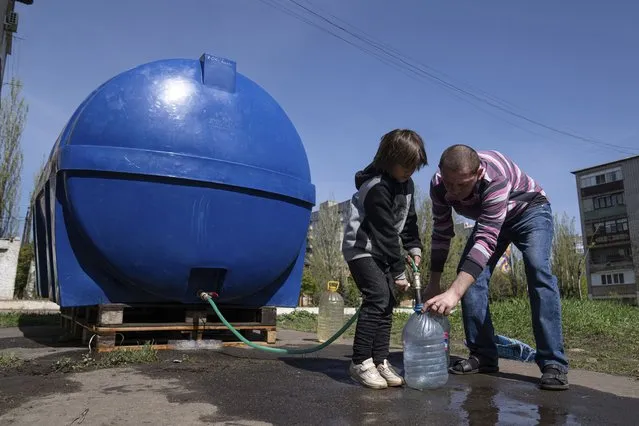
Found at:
(609, 210)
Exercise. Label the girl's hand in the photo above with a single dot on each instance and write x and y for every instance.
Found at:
(402, 284)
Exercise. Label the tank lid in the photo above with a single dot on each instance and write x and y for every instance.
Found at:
(218, 72)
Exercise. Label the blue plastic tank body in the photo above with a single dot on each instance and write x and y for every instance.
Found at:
(175, 176)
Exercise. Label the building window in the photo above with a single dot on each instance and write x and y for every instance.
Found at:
(611, 226)
(613, 176)
(608, 201)
(616, 278)
(599, 178)
(588, 204)
(622, 225)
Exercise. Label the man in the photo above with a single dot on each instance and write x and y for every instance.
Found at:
(508, 207)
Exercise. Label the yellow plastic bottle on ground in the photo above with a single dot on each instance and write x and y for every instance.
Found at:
(331, 312)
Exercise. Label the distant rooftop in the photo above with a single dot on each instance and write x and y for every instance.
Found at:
(605, 164)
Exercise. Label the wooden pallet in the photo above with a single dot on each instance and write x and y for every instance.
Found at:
(113, 326)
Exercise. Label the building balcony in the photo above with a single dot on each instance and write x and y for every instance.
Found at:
(603, 188)
(606, 213)
(608, 239)
(622, 262)
(613, 291)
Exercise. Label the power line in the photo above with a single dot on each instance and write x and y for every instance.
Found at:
(382, 51)
(431, 75)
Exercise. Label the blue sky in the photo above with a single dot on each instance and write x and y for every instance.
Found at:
(571, 65)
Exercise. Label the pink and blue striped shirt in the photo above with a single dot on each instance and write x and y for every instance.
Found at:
(502, 193)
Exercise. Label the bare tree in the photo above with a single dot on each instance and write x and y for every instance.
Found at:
(13, 113)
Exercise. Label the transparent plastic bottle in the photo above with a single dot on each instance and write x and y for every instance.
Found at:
(331, 313)
(425, 360)
(445, 324)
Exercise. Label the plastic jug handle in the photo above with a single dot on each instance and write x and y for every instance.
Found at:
(333, 285)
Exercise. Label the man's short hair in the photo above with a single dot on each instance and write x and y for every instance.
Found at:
(459, 158)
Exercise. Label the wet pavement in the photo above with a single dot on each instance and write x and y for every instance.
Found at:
(244, 386)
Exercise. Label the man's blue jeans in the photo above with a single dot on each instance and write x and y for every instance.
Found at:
(532, 233)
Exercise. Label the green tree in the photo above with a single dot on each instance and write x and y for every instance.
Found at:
(567, 262)
(22, 273)
(327, 262)
(509, 280)
(27, 252)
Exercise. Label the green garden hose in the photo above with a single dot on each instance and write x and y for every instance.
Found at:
(292, 351)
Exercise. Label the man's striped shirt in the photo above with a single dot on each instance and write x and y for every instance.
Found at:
(502, 193)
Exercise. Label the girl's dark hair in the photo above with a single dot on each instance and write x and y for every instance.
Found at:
(400, 147)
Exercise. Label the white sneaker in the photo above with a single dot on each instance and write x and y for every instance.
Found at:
(389, 374)
(366, 374)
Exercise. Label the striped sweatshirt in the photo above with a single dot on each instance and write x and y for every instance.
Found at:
(500, 195)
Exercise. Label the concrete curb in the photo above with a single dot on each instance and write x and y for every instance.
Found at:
(46, 306)
(315, 310)
(30, 306)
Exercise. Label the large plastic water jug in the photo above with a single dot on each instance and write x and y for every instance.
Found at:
(331, 312)
(425, 360)
(445, 323)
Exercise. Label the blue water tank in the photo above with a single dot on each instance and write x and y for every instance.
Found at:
(175, 176)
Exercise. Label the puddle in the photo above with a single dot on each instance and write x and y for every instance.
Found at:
(479, 405)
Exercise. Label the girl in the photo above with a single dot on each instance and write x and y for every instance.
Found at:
(382, 221)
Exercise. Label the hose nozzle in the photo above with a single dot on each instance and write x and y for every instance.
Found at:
(418, 288)
(417, 285)
(206, 296)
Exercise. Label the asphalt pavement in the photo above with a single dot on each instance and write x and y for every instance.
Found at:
(248, 387)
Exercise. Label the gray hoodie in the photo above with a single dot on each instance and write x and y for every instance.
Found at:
(382, 221)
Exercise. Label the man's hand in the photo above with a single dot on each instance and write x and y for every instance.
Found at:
(446, 302)
(442, 304)
(403, 285)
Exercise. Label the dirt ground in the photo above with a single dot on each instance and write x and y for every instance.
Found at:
(53, 385)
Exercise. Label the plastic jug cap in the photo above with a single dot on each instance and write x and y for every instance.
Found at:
(333, 285)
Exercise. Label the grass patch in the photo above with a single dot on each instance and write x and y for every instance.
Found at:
(18, 319)
(599, 336)
(146, 354)
(298, 320)
(9, 361)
